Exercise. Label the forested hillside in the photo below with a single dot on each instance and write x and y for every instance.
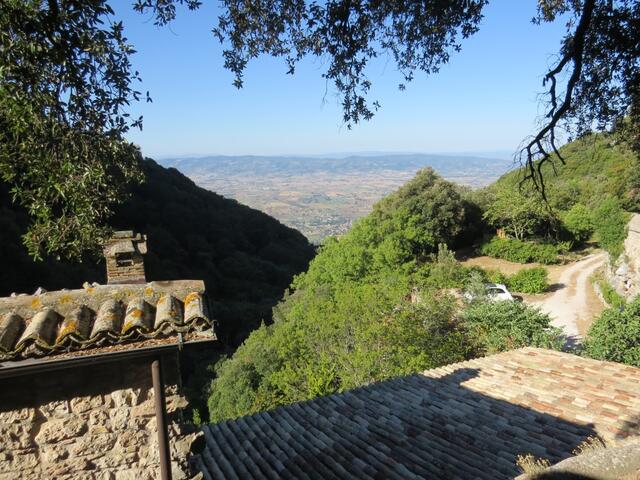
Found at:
(246, 258)
(377, 302)
(374, 305)
(596, 166)
(588, 197)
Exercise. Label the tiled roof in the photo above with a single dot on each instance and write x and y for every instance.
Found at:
(463, 421)
(99, 316)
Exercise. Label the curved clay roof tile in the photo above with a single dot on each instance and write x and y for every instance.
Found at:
(193, 307)
(42, 329)
(108, 319)
(11, 327)
(138, 317)
(168, 310)
(76, 325)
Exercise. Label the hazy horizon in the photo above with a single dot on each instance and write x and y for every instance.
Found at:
(488, 154)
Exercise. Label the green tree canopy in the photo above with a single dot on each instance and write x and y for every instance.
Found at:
(518, 211)
(578, 220)
(65, 83)
(610, 225)
(328, 340)
(615, 335)
(501, 326)
(404, 228)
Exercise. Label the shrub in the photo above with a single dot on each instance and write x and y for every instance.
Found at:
(444, 271)
(500, 326)
(613, 298)
(520, 251)
(615, 335)
(325, 340)
(578, 222)
(475, 285)
(564, 247)
(610, 225)
(496, 276)
(529, 280)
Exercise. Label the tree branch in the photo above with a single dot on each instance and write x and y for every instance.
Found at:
(539, 149)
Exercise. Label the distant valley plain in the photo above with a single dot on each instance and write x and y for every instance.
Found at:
(322, 197)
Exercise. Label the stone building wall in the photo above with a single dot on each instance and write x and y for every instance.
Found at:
(94, 422)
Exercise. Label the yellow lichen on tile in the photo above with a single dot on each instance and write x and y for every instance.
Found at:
(66, 298)
(71, 327)
(192, 297)
(127, 326)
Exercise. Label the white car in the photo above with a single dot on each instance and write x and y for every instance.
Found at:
(498, 292)
(495, 292)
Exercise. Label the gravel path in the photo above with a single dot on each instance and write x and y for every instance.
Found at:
(574, 304)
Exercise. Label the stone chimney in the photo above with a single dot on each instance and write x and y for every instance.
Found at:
(123, 254)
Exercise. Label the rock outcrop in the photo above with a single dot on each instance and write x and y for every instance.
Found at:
(624, 274)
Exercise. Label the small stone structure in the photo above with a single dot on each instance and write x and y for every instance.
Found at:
(123, 253)
(90, 378)
(89, 423)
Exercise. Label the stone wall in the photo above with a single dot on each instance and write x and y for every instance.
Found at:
(94, 422)
(624, 275)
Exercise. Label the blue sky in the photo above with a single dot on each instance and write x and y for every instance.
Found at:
(484, 100)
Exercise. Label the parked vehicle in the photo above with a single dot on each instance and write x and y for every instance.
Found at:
(498, 292)
(495, 292)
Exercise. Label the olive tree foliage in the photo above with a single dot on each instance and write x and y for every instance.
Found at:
(65, 83)
(518, 211)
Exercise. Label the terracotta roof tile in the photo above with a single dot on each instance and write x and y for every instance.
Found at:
(461, 421)
(99, 316)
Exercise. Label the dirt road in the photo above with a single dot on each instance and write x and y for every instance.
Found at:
(573, 305)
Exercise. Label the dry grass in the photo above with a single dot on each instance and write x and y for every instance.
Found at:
(591, 444)
(530, 465)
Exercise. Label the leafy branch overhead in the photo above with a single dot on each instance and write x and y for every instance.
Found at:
(600, 57)
(418, 35)
(594, 84)
(65, 84)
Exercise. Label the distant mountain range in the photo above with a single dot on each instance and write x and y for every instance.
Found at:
(322, 196)
(458, 165)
